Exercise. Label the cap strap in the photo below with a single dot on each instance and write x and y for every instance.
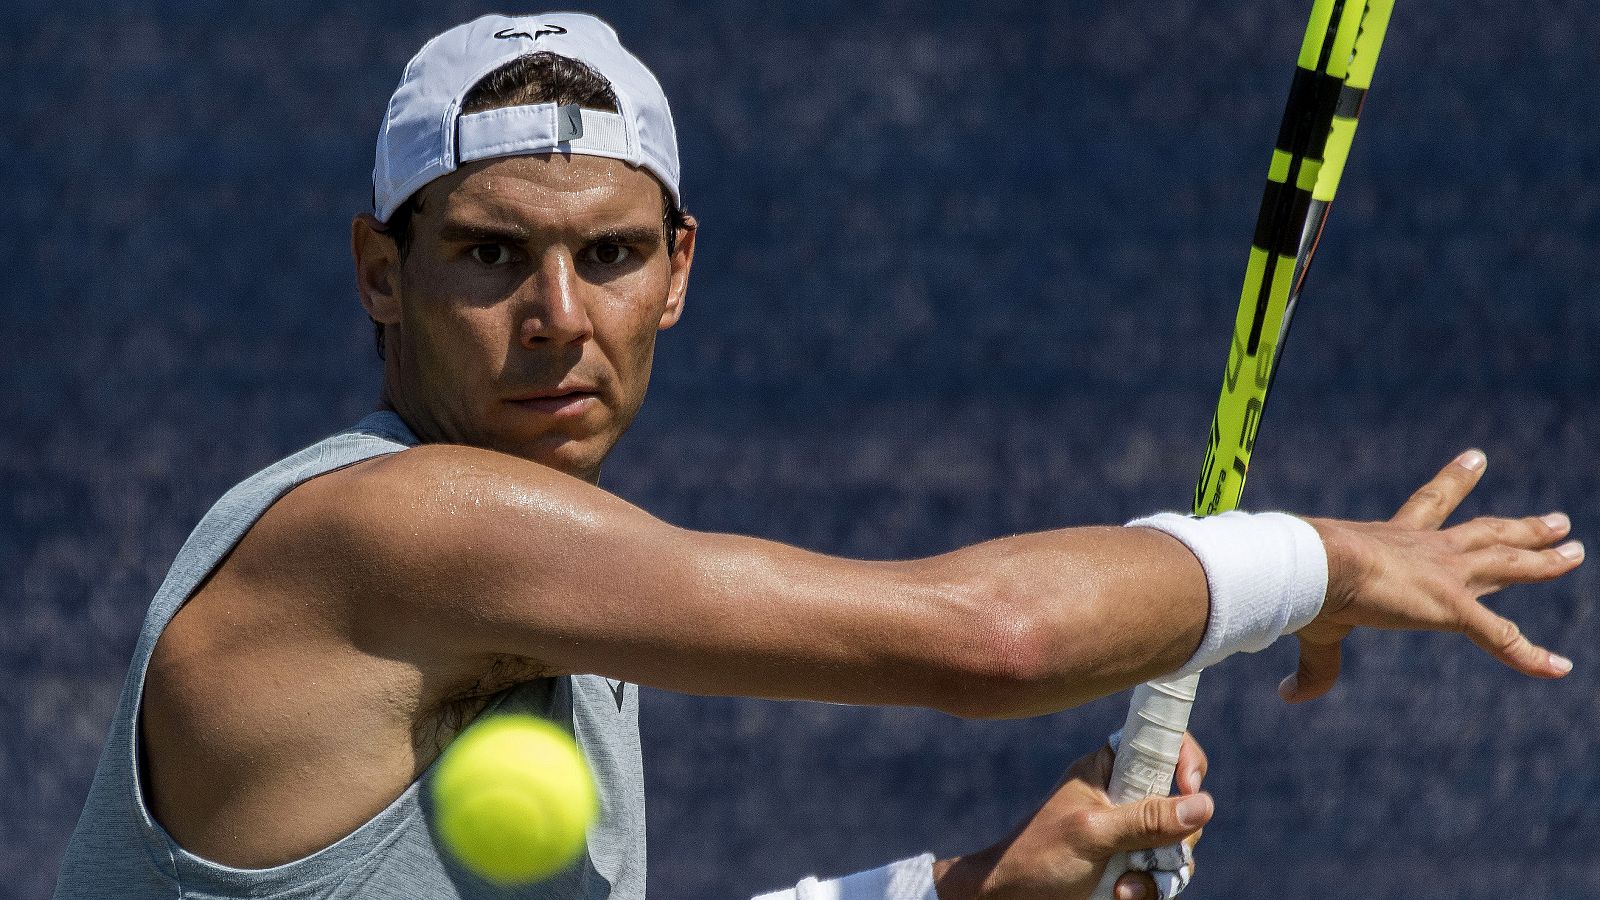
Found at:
(540, 128)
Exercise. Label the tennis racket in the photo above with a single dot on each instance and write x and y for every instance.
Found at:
(1333, 72)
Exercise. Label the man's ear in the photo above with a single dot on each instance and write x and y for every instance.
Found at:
(682, 259)
(377, 269)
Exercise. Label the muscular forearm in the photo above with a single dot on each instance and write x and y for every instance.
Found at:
(1012, 627)
(1094, 610)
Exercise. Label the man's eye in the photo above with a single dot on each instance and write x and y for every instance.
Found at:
(606, 254)
(492, 254)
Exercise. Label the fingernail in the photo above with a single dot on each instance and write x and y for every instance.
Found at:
(1560, 663)
(1472, 460)
(1193, 810)
(1286, 687)
(1571, 550)
(1194, 776)
(1133, 891)
(1556, 521)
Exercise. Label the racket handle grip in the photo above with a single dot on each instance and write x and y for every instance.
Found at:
(1152, 735)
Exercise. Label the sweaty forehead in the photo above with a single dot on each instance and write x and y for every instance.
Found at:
(547, 191)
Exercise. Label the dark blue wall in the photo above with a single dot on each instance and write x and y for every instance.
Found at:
(966, 269)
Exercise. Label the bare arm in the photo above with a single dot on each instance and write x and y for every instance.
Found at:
(455, 554)
(484, 555)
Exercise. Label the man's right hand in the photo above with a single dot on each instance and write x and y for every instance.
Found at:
(1411, 572)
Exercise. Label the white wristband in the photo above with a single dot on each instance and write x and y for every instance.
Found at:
(1267, 572)
(908, 879)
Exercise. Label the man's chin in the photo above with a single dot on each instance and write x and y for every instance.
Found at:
(577, 457)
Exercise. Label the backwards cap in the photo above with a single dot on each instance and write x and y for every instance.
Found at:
(425, 136)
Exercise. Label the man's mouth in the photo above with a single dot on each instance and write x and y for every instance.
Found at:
(563, 402)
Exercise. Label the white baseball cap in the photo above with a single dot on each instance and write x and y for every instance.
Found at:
(425, 136)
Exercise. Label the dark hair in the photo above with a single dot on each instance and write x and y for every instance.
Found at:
(536, 78)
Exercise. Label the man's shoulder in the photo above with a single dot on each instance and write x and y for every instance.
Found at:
(265, 516)
(403, 511)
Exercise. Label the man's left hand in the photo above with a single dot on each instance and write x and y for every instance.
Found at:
(1060, 851)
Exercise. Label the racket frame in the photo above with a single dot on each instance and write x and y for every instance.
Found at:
(1333, 72)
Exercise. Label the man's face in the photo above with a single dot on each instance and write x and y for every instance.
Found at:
(524, 316)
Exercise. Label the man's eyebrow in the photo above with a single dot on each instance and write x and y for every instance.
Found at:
(633, 234)
(482, 233)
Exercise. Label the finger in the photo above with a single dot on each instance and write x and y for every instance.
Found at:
(1315, 675)
(1436, 500)
(1095, 768)
(1496, 567)
(1151, 822)
(1192, 765)
(1136, 886)
(1531, 533)
(1502, 639)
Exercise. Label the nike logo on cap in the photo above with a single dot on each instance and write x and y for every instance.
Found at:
(571, 125)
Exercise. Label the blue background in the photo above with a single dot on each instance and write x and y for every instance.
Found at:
(965, 270)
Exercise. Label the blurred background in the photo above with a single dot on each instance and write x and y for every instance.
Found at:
(964, 270)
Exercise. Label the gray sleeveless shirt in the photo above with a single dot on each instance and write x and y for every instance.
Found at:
(120, 851)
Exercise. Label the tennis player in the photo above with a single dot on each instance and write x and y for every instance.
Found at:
(336, 618)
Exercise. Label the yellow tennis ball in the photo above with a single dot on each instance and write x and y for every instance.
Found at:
(512, 799)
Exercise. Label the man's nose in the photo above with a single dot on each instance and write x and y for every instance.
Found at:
(553, 308)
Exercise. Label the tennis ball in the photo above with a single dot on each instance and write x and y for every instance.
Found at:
(512, 799)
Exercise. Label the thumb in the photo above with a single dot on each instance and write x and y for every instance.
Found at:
(1148, 823)
(1318, 670)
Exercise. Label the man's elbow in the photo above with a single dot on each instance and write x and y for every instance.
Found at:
(1011, 660)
